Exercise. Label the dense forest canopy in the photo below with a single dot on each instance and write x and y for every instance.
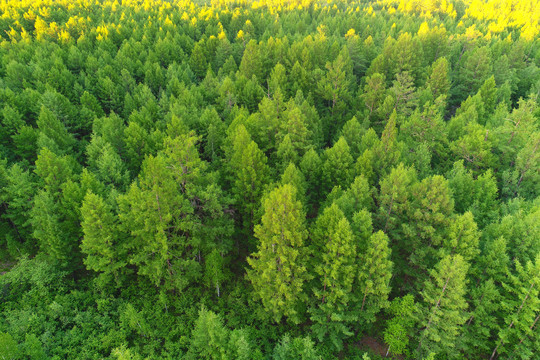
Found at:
(269, 179)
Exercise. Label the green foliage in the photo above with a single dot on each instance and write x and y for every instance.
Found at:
(443, 306)
(374, 276)
(315, 176)
(398, 329)
(8, 347)
(280, 257)
(334, 266)
(296, 348)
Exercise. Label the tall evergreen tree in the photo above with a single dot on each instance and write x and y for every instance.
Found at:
(101, 241)
(443, 308)
(337, 166)
(334, 268)
(278, 268)
(249, 172)
(374, 277)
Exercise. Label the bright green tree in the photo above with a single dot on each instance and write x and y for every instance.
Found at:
(442, 310)
(334, 268)
(374, 277)
(278, 271)
(399, 327)
(337, 166)
(101, 242)
(249, 173)
(521, 311)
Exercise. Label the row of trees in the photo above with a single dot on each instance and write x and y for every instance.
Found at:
(281, 181)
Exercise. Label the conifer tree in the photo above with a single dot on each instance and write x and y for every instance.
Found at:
(373, 96)
(278, 271)
(352, 132)
(337, 166)
(208, 338)
(374, 277)
(197, 61)
(334, 269)
(104, 252)
(463, 237)
(249, 172)
(53, 133)
(404, 92)
(443, 308)
(521, 309)
(439, 82)
(311, 167)
(17, 190)
(387, 152)
(483, 323)
(292, 175)
(335, 89)
(251, 64)
(356, 198)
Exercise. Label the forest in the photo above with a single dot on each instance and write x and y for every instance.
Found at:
(281, 179)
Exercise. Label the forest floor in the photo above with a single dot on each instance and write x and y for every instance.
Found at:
(377, 347)
(5, 266)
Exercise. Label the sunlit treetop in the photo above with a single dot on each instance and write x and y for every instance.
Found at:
(65, 20)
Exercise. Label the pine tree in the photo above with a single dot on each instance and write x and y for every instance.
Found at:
(286, 152)
(311, 167)
(197, 61)
(53, 133)
(278, 79)
(17, 189)
(443, 306)
(101, 243)
(439, 82)
(404, 92)
(278, 268)
(428, 218)
(208, 338)
(352, 132)
(387, 152)
(335, 89)
(334, 268)
(147, 211)
(373, 96)
(356, 198)
(296, 348)
(395, 200)
(292, 175)
(483, 323)
(426, 128)
(337, 166)
(475, 148)
(474, 71)
(374, 277)
(296, 127)
(521, 309)
(249, 171)
(268, 124)
(215, 271)
(463, 237)
(251, 64)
